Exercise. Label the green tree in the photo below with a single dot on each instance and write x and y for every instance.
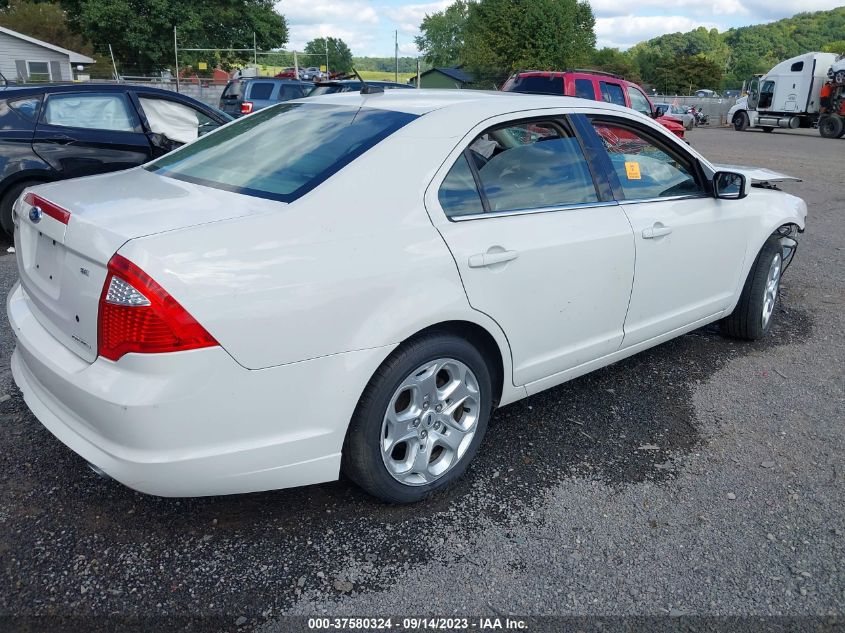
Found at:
(682, 75)
(837, 47)
(141, 31)
(340, 57)
(505, 35)
(612, 60)
(44, 21)
(442, 35)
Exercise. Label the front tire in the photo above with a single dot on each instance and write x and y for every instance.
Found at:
(740, 121)
(420, 420)
(752, 317)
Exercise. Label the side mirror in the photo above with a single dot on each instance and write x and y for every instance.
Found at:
(659, 111)
(729, 185)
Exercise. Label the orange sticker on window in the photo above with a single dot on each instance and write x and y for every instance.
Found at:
(632, 170)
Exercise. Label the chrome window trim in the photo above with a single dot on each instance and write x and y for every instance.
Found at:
(702, 196)
(568, 207)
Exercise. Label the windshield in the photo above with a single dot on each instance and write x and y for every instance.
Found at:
(281, 152)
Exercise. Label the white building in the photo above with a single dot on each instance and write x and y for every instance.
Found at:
(26, 59)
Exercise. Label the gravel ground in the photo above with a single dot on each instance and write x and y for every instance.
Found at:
(701, 477)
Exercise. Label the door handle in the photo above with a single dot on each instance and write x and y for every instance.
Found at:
(60, 139)
(481, 260)
(658, 230)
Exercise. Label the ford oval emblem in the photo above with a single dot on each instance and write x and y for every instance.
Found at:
(35, 214)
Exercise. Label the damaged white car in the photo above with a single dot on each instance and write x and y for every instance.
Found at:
(253, 311)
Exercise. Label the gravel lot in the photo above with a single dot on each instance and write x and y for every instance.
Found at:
(569, 509)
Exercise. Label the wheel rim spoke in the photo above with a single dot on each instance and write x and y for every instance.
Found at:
(770, 291)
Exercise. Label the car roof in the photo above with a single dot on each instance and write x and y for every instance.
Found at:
(357, 82)
(28, 89)
(423, 101)
(298, 82)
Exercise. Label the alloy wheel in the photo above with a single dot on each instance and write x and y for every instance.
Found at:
(430, 421)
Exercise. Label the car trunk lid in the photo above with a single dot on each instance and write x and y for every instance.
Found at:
(63, 265)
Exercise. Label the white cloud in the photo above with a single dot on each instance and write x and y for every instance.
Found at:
(776, 9)
(323, 11)
(414, 13)
(357, 39)
(603, 8)
(625, 31)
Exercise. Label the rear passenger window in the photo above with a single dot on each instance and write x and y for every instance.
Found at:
(458, 194)
(286, 93)
(584, 89)
(260, 90)
(524, 166)
(645, 168)
(89, 111)
(612, 93)
(538, 84)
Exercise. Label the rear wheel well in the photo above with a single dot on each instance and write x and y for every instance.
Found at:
(482, 340)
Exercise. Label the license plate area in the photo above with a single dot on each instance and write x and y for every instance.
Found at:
(45, 260)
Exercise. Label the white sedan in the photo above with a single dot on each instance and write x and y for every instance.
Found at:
(353, 282)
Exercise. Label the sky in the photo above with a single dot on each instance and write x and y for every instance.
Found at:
(367, 26)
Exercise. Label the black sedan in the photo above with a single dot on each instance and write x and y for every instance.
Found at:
(56, 132)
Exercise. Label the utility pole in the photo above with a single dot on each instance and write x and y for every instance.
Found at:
(295, 66)
(255, 51)
(176, 54)
(418, 72)
(113, 65)
(396, 50)
(326, 42)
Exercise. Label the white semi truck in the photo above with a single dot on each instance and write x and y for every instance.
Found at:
(788, 96)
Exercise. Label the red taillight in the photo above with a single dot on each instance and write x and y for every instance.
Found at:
(48, 208)
(137, 315)
(246, 107)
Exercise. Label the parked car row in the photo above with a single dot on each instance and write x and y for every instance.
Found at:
(244, 96)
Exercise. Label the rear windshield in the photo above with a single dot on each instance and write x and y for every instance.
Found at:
(281, 152)
(538, 85)
(260, 90)
(233, 90)
(329, 89)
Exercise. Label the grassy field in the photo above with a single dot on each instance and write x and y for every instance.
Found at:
(376, 75)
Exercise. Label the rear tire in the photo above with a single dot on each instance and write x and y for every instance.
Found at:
(8, 200)
(752, 317)
(408, 438)
(831, 126)
(740, 121)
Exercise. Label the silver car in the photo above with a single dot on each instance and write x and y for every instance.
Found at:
(678, 113)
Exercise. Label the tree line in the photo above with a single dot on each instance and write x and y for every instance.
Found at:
(493, 38)
(489, 38)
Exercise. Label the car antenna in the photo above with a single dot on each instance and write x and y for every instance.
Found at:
(367, 89)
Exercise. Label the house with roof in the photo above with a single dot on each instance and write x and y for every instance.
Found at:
(448, 78)
(26, 59)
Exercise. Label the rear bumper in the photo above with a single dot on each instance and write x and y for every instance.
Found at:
(190, 423)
